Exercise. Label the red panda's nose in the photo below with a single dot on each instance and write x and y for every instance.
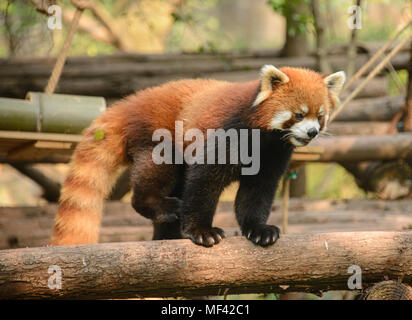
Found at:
(312, 132)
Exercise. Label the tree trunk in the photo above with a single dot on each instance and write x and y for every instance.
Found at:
(408, 102)
(296, 43)
(311, 262)
(352, 48)
(321, 48)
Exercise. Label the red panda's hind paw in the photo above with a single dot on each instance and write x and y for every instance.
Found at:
(203, 236)
(170, 212)
(166, 218)
(263, 235)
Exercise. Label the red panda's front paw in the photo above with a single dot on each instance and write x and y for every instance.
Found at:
(206, 237)
(262, 234)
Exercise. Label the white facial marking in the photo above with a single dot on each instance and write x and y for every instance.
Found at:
(279, 119)
(321, 110)
(296, 142)
(304, 108)
(326, 123)
(300, 129)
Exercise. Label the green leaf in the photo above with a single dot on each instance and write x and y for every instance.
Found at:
(98, 135)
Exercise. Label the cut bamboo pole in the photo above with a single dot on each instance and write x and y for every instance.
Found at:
(58, 113)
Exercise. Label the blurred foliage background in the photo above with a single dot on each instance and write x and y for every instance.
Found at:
(156, 26)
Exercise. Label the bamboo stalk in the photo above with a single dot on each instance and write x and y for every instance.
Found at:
(372, 60)
(61, 59)
(374, 72)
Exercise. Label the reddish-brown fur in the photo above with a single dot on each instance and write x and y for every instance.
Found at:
(304, 87)
(95, 164)
(130, 123)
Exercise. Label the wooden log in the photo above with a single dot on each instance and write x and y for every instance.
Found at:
(361, 148)
(32, 226)
(336, 149)
(180, 268)
(377, 87)
(124, 209)
(371, 109)
(115, 76)
(51, 188)
(358, 128)
(388, 290)
(388, 180)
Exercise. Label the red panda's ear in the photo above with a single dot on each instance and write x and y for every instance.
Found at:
(269, 76)
(335, 82)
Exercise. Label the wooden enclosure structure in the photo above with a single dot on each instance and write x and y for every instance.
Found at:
(177, 268)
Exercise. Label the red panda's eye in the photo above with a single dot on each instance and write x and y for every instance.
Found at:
(320, 118)
(298, 116)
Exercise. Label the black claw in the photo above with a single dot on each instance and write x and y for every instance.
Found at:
(263, 235)
(256, 239)
(266, 241)
(206, 237)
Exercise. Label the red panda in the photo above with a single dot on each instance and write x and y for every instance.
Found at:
(288, 106)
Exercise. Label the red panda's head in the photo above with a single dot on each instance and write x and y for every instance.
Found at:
(299, 101)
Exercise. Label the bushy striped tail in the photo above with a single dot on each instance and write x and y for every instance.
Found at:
(93, 172)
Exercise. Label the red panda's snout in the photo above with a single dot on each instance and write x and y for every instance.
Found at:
(300, 125)
(304, 131)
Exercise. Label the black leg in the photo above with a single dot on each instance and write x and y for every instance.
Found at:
(203, 186)
(252, 207)
(254, 201)
(171, 230)
(152, 187)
